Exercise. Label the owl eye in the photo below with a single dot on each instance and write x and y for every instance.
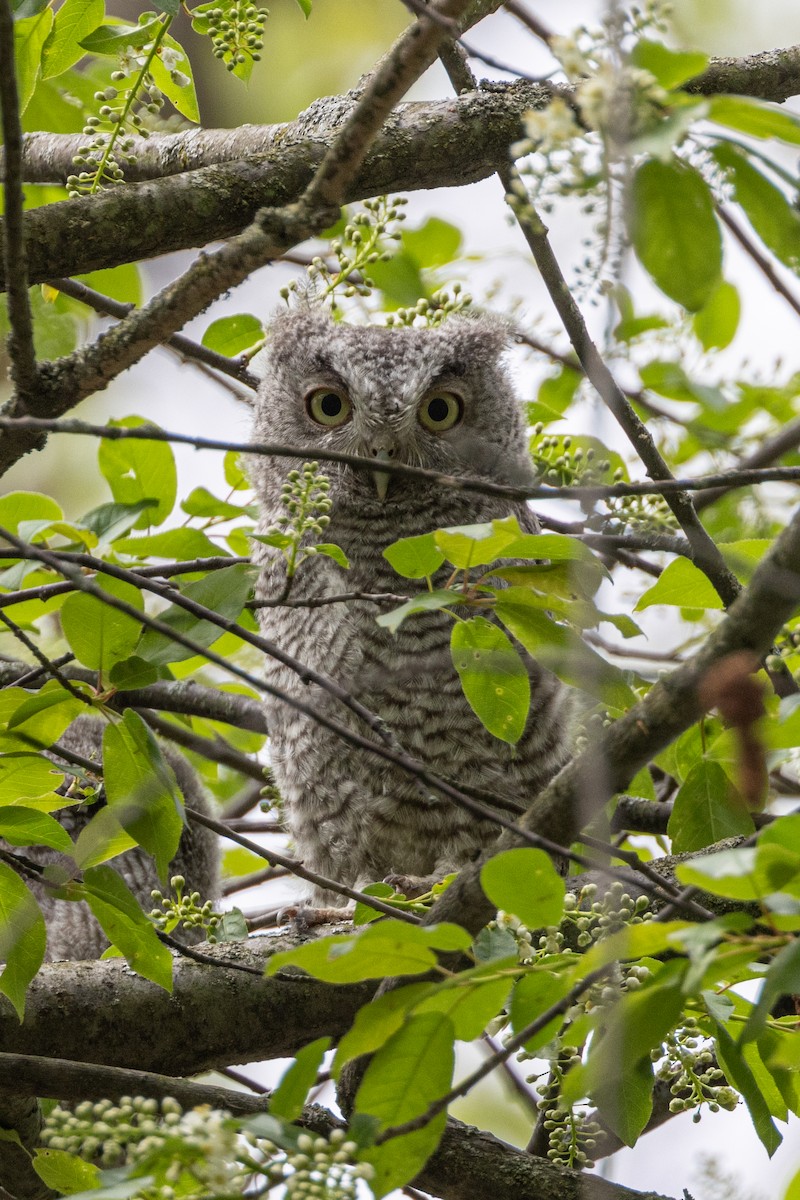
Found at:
(441, 410)
(328, 407)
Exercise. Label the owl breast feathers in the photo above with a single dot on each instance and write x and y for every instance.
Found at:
(438, 398)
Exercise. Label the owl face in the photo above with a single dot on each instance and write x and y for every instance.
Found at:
(436, 398)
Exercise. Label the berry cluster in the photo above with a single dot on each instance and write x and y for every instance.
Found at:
(185, 910)
(360, 245)
(429, 313)
(236, 31)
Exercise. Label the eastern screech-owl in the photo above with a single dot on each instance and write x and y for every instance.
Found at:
(437, 398)
(72, 931)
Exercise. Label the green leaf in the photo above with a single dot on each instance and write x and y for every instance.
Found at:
(525, 882)
(26, 827)
(675, 232)
(669, 379)
(27, 777)
(305, 7)
(782, 979)
(141, 789)
(471, 1002)
(232, 335)
(414, 557)
(757, 118)
(35, 722)
(123, 283)
(707, 808)
(22, 938)
(98, 634)
(376, 1022)
(74, 20)
(224, 592)
(399, 279)
(201, 503)
(742, 1078)
(493, 677)
(27, 506)
(772, 216)
(412, 1070)
(234, 475)
(728, 873)
(618, 1070)
(532, 997)
(176, 83)
(556, 393)
(715, 324)
(63, 1172)
(387, 948)
(626, 1101)
(289, 1096)
(30, 35)
(425, 602)
(670, 67)
(682, 584)
(126, 926)
(111, 521)
(140, 470)
(111, 39)
(561, 650)
(183, 544)
(434, 244)
(330, 550)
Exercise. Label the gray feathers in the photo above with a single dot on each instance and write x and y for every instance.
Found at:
(438, 398)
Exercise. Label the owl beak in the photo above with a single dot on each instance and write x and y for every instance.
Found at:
(382, 479)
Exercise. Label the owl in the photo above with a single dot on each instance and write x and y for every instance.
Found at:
(72, 931)
(439, 398)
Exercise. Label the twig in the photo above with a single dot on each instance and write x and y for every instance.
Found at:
(296, 868)
(24, 371)
(511, 1046)
(66, 1079)
(528, 19)
(654, 487)
(215, 749)
(231, 886)
(46, 664)
(184, 345)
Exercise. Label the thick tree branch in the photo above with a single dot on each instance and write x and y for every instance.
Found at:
(101, 1012)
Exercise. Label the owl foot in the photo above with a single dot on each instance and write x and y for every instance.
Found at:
(306, 916)
(411, 886)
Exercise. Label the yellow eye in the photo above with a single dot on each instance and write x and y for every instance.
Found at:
(328, 406)
(440, 411)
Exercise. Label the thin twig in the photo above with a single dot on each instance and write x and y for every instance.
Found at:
(185, 346)
(24, 371)
(653, 487)
(46, 664)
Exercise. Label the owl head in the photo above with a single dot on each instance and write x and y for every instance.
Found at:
(438, 398)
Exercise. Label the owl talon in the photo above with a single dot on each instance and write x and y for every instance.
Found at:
(305, 916)
(411, 886)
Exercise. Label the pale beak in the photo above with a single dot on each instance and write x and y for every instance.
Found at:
(382, 478)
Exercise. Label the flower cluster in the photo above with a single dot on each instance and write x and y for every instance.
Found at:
(127, 106)
(236, 31)
(203, 1152)
(360, 245)
(688, 1064)
(186, 910)
(429, 313)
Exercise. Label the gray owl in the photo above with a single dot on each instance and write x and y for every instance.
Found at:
(72, 931)
(437, 398)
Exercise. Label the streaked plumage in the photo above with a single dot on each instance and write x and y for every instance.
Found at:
(353, 817)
